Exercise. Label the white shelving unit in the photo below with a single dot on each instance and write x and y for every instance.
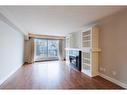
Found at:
(90, 50)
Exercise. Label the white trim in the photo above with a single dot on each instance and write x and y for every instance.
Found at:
(73, 49)
(114, 80)
(11, 73)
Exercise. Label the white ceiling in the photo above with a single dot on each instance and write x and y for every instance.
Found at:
(55, 20)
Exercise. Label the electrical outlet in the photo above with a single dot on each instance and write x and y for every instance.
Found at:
(114, 73)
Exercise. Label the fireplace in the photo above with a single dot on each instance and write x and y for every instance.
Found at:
(75, 59)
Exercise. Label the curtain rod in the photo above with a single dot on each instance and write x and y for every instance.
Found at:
(45, 36)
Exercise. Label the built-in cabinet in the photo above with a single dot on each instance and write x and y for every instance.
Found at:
(90, 50)
(87, 41)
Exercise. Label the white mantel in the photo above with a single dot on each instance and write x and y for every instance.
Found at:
(82, 49)
(73, 49)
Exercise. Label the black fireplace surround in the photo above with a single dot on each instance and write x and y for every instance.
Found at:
(75, 59)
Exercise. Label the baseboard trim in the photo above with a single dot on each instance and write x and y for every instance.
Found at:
(11, 73)
(113, 80)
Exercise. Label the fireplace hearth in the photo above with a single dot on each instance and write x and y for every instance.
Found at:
(75, 59)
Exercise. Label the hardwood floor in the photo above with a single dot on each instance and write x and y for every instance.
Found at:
(54, 75)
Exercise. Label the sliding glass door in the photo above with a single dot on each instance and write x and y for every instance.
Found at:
(52, 48)
(46, 49)
(41, 48)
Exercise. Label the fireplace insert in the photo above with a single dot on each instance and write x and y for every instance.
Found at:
(75, 59)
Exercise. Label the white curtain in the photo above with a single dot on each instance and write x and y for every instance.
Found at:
(29, 51)
(61, 49)
(32, 50)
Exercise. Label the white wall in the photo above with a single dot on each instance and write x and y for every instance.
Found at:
(11, 50)
(76, 40)
(113, 44)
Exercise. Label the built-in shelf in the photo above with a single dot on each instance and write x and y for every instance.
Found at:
(86, 64)
(86, 41)
(90, 50)
(89, 45)
(86, 35)
(86, 58)
(87, 72)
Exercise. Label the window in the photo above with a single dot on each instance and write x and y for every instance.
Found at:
(46, 49)
(52, 48)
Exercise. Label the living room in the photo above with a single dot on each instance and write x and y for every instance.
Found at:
(63, 47)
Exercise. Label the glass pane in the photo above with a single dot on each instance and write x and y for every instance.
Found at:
(53, 48)
(46, 49)
(41, 48)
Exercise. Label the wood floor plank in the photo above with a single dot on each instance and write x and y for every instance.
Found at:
(54, 75)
